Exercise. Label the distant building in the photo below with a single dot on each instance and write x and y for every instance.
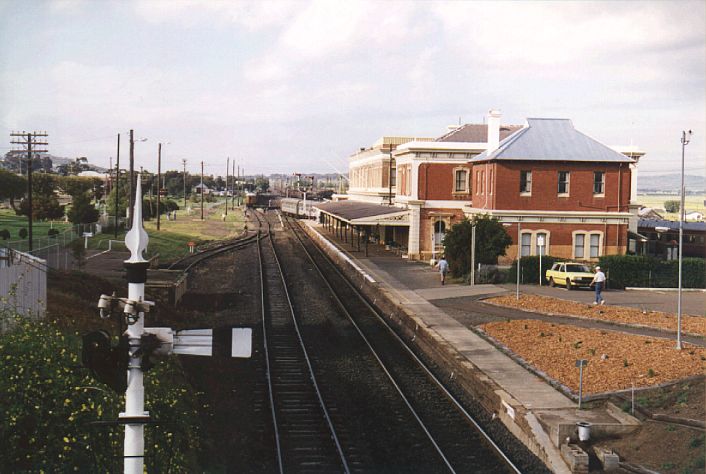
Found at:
(694, 216)
(197, 189)
(648, 213)
(666, 244)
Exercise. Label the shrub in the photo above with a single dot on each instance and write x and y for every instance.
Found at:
(630, 270)
(4, 234)
(23, 233)
(53, 232)
(82, 210)
(48, 404)
(672, 206)
(529, 269)
(492, 240)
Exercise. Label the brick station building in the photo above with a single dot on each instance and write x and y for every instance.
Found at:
(542, 179)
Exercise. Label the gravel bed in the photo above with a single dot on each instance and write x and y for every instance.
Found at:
(616, 360)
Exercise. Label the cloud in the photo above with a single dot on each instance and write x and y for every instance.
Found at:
(253, 15)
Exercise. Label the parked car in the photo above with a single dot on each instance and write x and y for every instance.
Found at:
(569, 274)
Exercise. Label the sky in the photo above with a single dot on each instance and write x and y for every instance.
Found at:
(285, 87)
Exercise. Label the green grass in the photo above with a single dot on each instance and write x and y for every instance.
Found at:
(12, 222)
(693, 202)
(170, 242)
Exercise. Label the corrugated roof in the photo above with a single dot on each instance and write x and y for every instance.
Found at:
(476, 133)
(553, 140)
(671, 225)
(350, 210)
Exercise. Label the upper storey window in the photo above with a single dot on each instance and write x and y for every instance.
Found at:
(461, 181)
(563, 183)
(598, 182)
(525, 182)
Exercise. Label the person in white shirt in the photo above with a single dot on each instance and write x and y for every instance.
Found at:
(599, 282)
(443, 267)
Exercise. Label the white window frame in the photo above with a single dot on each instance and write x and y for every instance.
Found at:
(466, 181)
(587, 244)
(602, 192)
(533, 233)
(528, 182)
(568, 184)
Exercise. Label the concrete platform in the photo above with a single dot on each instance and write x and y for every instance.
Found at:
(539, 415)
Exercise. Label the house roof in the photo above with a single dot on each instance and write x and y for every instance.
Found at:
(552, 140)
(357, 212)
(671, 225)
(476, 133)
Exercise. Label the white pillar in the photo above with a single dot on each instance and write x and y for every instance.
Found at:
(136, 241)
(414, 230)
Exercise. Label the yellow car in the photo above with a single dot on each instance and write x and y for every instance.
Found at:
(569, 274)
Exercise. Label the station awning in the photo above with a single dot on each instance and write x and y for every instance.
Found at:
(365, 213)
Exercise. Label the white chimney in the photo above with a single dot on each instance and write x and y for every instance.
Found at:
(493, 130)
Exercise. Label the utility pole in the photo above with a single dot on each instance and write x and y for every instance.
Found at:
(131, 189)
(117, 190)
(202, 190)
(159, 179)
(29, 140)
(227, 168)
(235, 183)
(183, 163)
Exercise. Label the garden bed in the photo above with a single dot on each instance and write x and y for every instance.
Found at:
(616, 314)
(616, 361)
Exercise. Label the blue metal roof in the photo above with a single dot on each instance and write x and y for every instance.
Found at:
(552, 140)
(671, 225)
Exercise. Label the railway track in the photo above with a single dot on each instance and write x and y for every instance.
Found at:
(305, 438)
(451, 434)
(189, 261)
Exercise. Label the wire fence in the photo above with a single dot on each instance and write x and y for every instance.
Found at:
(56, 249)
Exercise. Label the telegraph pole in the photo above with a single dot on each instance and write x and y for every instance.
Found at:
(159, 179)
(131, 189)
(117, 189)
(227, 167)
(30, 139)
(183, 163)
(202, 190)
(235, 183)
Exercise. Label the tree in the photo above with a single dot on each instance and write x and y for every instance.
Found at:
(492, 241)
(45, 205)
(12, 187)
(82, 210)
(671, 206)
(122, 202)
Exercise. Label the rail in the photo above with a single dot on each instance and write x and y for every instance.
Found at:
(296, 230)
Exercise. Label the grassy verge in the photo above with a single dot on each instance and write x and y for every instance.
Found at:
(12, 222)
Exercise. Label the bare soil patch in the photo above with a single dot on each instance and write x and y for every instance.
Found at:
(616, 360)
(617, 314)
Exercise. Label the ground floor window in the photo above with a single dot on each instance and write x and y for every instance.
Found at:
(587, 244)
(526, 245)
(439, 230)
(531, 240)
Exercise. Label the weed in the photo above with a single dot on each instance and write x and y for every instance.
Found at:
(668, 465)
(650, 373)
(525, 326)
(577, 344)
(647, 341)
(592, 351)
(625, 363)
(671, 428)
(696, 442)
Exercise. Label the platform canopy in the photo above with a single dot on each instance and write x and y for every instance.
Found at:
(365, 213)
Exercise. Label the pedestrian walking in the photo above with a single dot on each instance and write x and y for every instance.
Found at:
(443, 267)
(599, 282)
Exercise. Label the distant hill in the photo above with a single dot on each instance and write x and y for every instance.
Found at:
(665, 183)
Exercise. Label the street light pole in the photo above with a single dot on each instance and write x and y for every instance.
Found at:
(519, 258)
(685, 139)
(117, 189)
(159, 180)
(473, 254)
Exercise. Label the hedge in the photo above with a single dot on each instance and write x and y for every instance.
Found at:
(529, 269)
(631, 270)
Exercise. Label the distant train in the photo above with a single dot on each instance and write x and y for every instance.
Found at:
(261, 200)
(298, 207)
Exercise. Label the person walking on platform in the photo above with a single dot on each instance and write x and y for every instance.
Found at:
(443, 267)
(599, 282)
